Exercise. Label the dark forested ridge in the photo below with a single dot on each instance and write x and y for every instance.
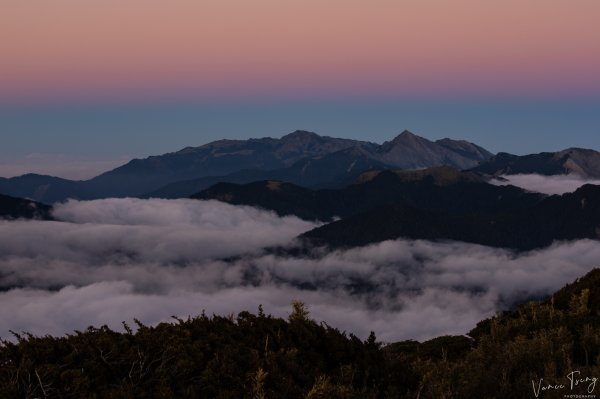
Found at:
(438, 203)
(439, 189)
(568, 217)
(259, 356)
(19, 208)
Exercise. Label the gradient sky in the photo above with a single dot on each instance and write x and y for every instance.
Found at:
(102, 80)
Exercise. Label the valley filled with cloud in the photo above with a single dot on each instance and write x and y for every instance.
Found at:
(109, 261)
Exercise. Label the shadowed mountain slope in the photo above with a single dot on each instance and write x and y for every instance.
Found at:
(440, 189)
(582, 162)
(218, 158)
(568, 217)
(18, 208)
(300, 157)
(46, 189)
(332, 170)
(434, 204)
(409, 151)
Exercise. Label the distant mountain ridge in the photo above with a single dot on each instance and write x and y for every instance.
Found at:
(217, 158)
(336, 169)
(409, 151)
(301, 157)
(578, 161)
(340, 168)
(43, 188)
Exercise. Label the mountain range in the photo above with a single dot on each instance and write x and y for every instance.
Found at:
(301, 157)
(438, 203)
(332, 170)
(435, 189)
(408, 187)
(578, 161)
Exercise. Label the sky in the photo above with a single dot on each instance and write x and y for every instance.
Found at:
(87, 85)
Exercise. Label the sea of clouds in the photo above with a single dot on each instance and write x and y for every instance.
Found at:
(109, 261)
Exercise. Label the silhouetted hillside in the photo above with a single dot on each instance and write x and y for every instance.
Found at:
(258, 356)
(440, 189)
(18, 208)
(582, 162)
(536, 225)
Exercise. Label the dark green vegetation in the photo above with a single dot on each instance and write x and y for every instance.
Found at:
(18, 208)
(259, 356)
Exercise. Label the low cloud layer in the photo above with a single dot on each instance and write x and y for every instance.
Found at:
(114, 260)
(557, 184)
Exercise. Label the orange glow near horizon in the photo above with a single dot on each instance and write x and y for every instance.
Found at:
(117, 49)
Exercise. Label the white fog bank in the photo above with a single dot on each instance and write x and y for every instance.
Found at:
(115, 260)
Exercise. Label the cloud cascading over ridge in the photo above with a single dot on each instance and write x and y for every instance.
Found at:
(113, 260)
(556, 184)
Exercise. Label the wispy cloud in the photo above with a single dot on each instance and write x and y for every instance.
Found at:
(112, 260)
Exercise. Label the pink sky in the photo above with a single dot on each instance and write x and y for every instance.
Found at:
(139, 49)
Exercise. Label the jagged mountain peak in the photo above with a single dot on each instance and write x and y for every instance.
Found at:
(407, 133)
(410, 151)
(300, 135)
(403, 143)
(408, 136)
